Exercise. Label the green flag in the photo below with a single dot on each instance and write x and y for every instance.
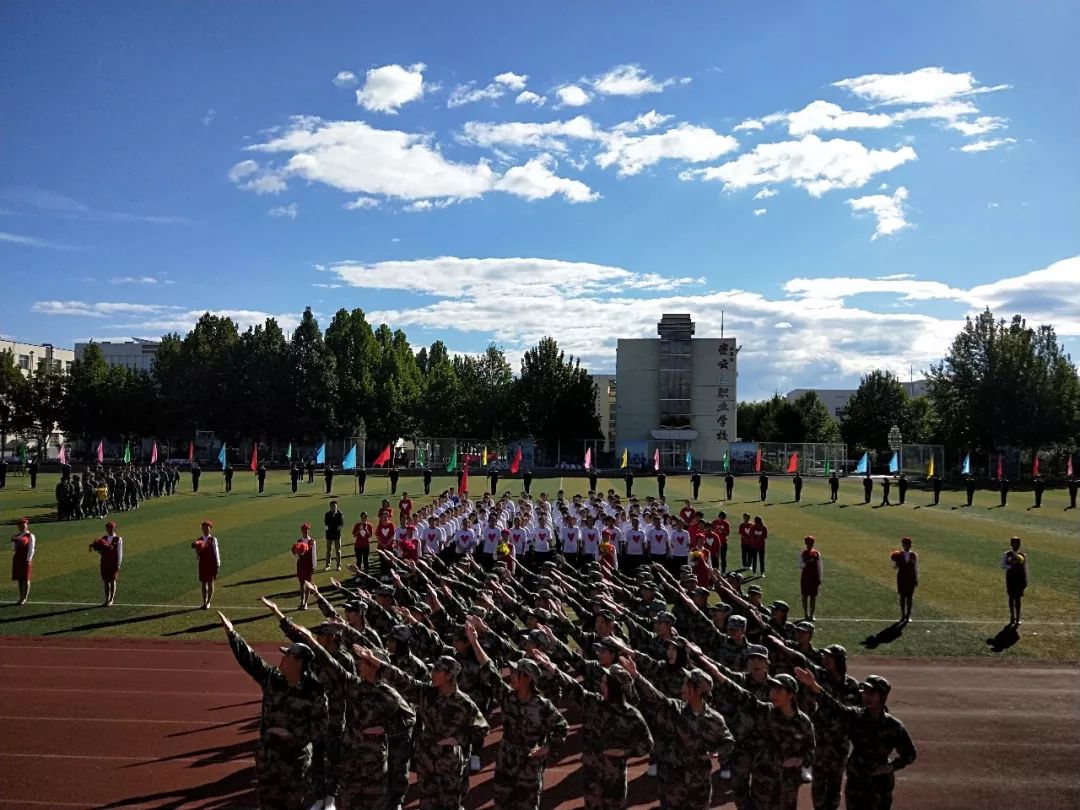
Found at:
(421, 457)
(453, 461)
(828, 467)
(727, 462)
(288, 452)
(22, 453)
(127, 452)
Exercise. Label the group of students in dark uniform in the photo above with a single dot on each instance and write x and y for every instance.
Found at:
(101, 490)
(715, 687)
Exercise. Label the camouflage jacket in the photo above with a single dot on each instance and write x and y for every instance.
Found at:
(872, 738)
(530, 723)
(607, 725)
(684, 739)
(779, 737)
(335, 687)
(440, 716)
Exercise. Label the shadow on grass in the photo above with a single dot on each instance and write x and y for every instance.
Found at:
(119, 622)
(886, 636)
(1005, 638)
(260, 581)
(206, 628)
(50, 614)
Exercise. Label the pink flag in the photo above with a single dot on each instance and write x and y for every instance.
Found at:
(101, 452)
(1068, 467)
(588, 459)
(153, 454)
(1000, 467)
(656, 460)
(1035, 467)
(62, 455)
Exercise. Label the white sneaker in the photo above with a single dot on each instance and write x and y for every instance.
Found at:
(652, 770)
(474, 763)
(329, 804)
(317, 805)
(807, 775)
(725, 773)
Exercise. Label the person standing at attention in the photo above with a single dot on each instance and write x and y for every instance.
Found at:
(209, 556)
(23, 544)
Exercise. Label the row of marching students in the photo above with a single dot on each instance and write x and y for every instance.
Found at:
(416, 666)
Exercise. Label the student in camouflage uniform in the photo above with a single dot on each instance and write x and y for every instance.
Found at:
(294, 716)
(688, 733)
(398, 645)
(533, 730)
(612, 730)
(785, 738)
(874, 734)
(447, 720)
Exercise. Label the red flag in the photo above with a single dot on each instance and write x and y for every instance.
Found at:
(757, 461)
(101, 452)
(254, 458)
(383, 457)
(515, 465)
(1035, 467)
(1000, 468)
(656, 460)
(465, 478)
(793, 463)
(153, 454)
(191, 451)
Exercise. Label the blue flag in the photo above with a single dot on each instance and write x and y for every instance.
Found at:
(967, 465)
(894, 462)
(221, 456)
(350, 460)
(864, 464)
(689, 461)
(320, 455)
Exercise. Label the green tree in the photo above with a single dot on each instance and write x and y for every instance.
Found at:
(879, 403)
(439, 411)
(813, 421)
(86, 403)
(555, 396)
(12, 394)
(487, 382)
(351, 340)
(397, 391)
(313, 380)
(41, 405)
(263, 373)
(177, 409)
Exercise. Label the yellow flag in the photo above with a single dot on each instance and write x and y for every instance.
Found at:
(483, 458)
(625, 459)
(930, 467)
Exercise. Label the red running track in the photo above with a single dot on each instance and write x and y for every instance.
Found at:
(145, 724)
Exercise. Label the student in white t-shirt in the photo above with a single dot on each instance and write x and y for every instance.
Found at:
(680, 545)
(590, 539)
(489, 537)
(541, 539)
(659, 545)
(634, 545)
(519, 538)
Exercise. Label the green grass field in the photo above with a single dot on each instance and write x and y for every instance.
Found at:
(960, 602)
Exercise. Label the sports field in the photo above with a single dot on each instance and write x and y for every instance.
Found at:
(959, 604)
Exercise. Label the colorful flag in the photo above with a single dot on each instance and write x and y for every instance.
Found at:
(930, 468)
(380, 459)
(689, 461)
(515, 465)
(793, 463)
(656, 459)
(588, 458)
(221, 456)
(727, 462)
(127, 452)
(452, 465)
(1000, 467)
(421, 457)
(1068, 467)
(101, 451)
(625, 459)
(828, 468)
(320, 455)
(864, 464)
(757, 461)
(191, 451)
(894, 462)
(22, 453)
(254, 458)
(288, 452)
(483, 458)
(1035, 467)
(349, 462)
(62, 455)
(966, 468)
(153, 454)
(465, 478)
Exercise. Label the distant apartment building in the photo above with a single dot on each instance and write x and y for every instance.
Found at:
(28, 356)
(605, 408)
(836, 399)
(138, 353)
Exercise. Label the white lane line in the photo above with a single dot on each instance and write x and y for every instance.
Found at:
(191, 608)
(162, 760)
(108, 720)
(122, 669)
(43, 648)
(128, 692)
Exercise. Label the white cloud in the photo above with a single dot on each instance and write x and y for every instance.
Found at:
(549, 135)
(628, 80)
(749, 125)
(345, 78)
(765, 193)
(102, 309)
(760, 212)
(987, 144)
(361, 203)
(643, 123)
(980, 126)
(469, 94)
(529, 97)
(929, 85)
(242, 169)
(823, 115)
(208, 119)
(810, 163)
(32, 241)
(685, 142)
(150, 280)
(572, 96)
(993, 205)
(512, 81)
(536, 180)
(889, 211)
(389, 87)
(290, 211)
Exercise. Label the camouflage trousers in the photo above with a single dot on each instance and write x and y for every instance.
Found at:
(828, 776)
(440, 774)
(519, 780)
(284, 776)
(399, 752)
(327, 765)
(775, 789)
(605, 781)
(739, 763)
(684, 785)
(867, 792)
(363, 777)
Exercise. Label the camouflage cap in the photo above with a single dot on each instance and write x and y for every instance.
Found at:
(700, 679)
(328, 629)
(355, 606)
(720, 607)
(756, 651)
(754, 589)
(700, 591)
(447, 664)
(785, 682)
(401, 632)
(665, 617)
(606, 614)
(875, 683)
(529, 667)
(537, 637)
(478, 611)
(780, 604)
(736, 623)
(836, 651)
(380, 656)
(804, 626)
(605, 644)
(621, 676)
(542, 615)
(385, 590)
(301, 651)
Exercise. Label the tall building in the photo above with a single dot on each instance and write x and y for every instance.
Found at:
(605, 408)
(28, 356)
(836, 399)
(137, 353)
(677, 393)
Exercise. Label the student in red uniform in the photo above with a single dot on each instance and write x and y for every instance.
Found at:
(111, 548)
(385, 510)
(723, 530)
(405, 505)
(209, 556)
(906, 563)
(23, 544)
(810, 579)
(306, 553)
(385, 534)
(687, 512)
(746, 540)
(362, 531)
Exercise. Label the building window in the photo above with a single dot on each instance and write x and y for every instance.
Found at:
(24, 361)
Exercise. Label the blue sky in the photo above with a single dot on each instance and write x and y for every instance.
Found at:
(845, 181)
